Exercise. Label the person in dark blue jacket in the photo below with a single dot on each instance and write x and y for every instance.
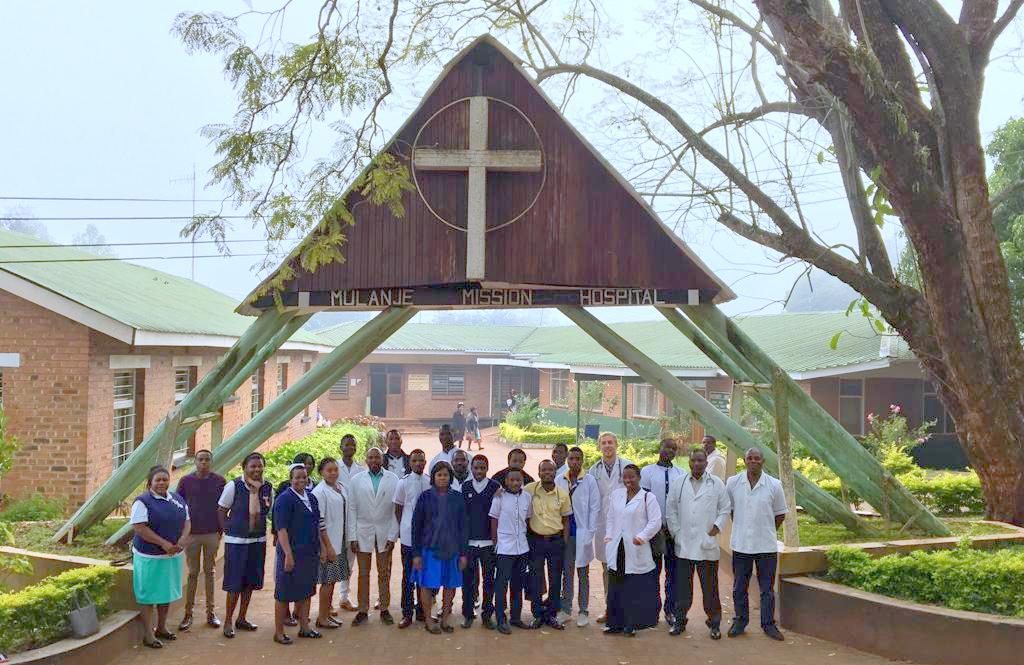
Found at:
(301, 537)
(478, 493)
(439, 545)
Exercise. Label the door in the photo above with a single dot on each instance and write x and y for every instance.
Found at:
(378, 391)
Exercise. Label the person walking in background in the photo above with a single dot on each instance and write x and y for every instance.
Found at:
(336, 513)
(160, 520)
(348, 468)
(460, 467)
(301, 544)
(559, 454)
(395, 459)
(373, 508)
(697, 508)
(201, 490)
(510, 510)
(459, 424)
(439, 544)
(550, 511)
(516, 462)
(473, 430)
(579, 547)
(633, 519)
(244, 505)
(406, 495)
(445, 436)
(656, 479)
(607, 471)
(758, 508)
(716, 460)
(478, 495)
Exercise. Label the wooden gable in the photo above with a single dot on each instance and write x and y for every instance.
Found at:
(557, 216)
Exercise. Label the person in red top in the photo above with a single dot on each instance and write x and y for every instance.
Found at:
(201, 491)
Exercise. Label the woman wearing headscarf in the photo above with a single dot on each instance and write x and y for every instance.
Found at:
(160, 520)
(439, 545)
(634, 517)
(301, 543)
(336, 513)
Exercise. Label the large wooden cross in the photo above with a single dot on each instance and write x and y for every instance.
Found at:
(477, 161)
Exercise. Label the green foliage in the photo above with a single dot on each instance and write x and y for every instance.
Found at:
(1007, 153)
(34, 508)
(640, 451)
(527, 413)
(964, 578)
(537, 433)
(591, 395)
(322, 443)
(8, 445)
(814, 533)
(866, 310)
(948, 493)
(38, 615)
(891, 433)
(36, 536)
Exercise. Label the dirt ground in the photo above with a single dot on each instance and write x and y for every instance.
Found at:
(376, 644)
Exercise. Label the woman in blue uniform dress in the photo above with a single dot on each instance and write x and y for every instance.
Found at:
(300, 533)
(160, 520)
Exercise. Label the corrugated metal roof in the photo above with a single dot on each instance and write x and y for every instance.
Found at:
(431, 337)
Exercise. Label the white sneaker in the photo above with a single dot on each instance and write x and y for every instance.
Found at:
(582, 619)
(564, 617)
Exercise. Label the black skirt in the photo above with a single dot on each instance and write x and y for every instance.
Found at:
(633, 600)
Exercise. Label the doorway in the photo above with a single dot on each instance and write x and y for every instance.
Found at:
(384, 380)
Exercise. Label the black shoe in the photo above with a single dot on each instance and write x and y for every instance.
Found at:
(612, 631)
(361, 618)
(536, 623)
(288, 621)
(629, 632)
(229, 632)
(284, 639)
(772, 632)
(716, 634)
(165, 635)
(552, 622)
(386, 618)
(519, 624)
(467, 622)
(678, 628)
(244, 624)
(504, 629)
(488, 623)
(736, 628)
(212, 621)
(186, 623)
(312, 634)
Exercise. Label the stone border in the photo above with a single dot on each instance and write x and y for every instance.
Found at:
(898, 629)
(118, 632)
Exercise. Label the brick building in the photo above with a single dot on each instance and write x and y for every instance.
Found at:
(93, 354)
(424, 370)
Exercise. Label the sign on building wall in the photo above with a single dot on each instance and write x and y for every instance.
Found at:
(419, 382)
(721, 401)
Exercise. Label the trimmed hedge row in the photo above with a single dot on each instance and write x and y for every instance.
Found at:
(943, 494)
(987, 581)
(546, 434)
(38, 615)
(321, 443)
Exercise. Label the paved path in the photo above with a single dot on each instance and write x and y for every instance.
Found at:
(375, 644)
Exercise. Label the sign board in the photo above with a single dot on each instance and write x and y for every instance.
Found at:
(721, 401)
(419, 382)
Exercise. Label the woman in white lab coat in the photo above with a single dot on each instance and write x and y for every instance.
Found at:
(336, 513)
(633, 519)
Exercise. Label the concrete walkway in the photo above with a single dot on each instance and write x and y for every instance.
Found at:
(375, 644)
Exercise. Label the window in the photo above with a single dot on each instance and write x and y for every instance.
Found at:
(306, 366)
(851, 405)
(447, 381)
(282, 378)
(933, 410)
(182, 383)
(124, 415)
(646, 401)
(340, 388)
(256, 393)
(560, 382)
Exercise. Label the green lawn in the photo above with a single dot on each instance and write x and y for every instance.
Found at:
(813, 532)
(36, 536)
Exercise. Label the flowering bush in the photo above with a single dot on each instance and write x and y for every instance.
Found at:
(890, 433)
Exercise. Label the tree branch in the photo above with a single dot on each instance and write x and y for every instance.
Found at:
(1002, 22)
(1005, 193)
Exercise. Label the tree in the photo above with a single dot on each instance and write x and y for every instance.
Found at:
(883, 95)
(92, 241)
(20, 220)
(1007, 181)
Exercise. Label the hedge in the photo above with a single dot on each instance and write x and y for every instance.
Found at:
(324, 442)
(546, 434)
(943, 494)
(987, 581)
(38, 615)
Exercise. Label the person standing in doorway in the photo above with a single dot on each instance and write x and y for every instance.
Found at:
(244, 505)
(348, 469)
(460, 467)
(559, 454)
(408, 492)
(447, 439)
(373, 509)
(395, 459)
(336, 512)
(473, 430)
(516, 462)
(656, 479)
(549, 529)
(698, 507)
(716, 460)
(579, 547)
(201, 490)
(510, 510)
(758, 508)
(459, 423)
(478, 495)
(607, 471)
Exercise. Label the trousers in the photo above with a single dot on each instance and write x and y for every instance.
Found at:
(201, 552)
(707, 573)
(410, 600)
(548, 552)
(480, 562)
(509, 579)
(383, 579)
(742, 568)
(343, 586)
(667, 560)
(569, 570)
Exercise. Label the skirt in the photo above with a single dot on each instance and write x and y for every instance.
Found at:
(243, 566)
(437, 573)
(157, 580)
(335, 571)
(633, 600)
(300, 583)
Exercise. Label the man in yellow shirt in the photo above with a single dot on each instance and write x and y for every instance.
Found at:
(549, 529)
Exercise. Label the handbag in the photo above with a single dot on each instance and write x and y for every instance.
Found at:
(82, 617)
(657, 543)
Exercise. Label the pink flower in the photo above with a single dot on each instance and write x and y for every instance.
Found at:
(920, 440)
(895, 408)
(871, 417)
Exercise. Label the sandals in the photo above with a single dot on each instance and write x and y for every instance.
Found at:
(311, 634)
(331, 624)
(164, 635)
(154, 644)
(291, 621)
(229, 632)
(283, 639)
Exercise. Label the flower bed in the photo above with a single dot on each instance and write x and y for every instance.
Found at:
(321, 443)
(537, 433)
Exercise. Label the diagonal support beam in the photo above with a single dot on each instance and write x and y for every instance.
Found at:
(830, 442)
(818, 502)
(309, 387)
(203, 398)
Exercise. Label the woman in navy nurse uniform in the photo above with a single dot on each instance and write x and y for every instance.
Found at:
(301, 542)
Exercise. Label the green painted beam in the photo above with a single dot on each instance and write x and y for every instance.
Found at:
(816, 501)
(830, 443)
(133, 470)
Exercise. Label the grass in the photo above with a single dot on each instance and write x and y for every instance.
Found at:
(813, 532)
(35, 536)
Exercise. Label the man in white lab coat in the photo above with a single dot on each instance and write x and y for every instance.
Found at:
(608, 474)
(579, 547)
(372, 494)
(697, 507)
(348, 468)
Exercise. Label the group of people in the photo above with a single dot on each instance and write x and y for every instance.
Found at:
(466, 427)
(501, 538)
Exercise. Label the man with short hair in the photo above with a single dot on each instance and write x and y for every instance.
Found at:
(201, 490)
(478, 493)
(348, 468)
(459, 424)
(373, 510)
(395, 459)
(579, 548)
(559, 454)
(516, 461)
(758, 508)
(656, 479)
(716, 460)
(607, 471)
(447, 439)
(460, 468)
(549, 529)
(409, 489)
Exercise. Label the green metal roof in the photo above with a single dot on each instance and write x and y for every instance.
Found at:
(798, 342)
(139, 297)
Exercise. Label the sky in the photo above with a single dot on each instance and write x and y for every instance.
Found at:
(102, 101)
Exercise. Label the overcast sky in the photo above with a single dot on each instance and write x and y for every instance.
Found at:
(100, 100)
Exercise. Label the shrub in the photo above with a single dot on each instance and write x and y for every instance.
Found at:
(527, 413)
(38, 615)
(538, 433)
(891, 432)
(640, 451)
(36, 508)
(964, 578)
(947, 493)
(321, 443)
